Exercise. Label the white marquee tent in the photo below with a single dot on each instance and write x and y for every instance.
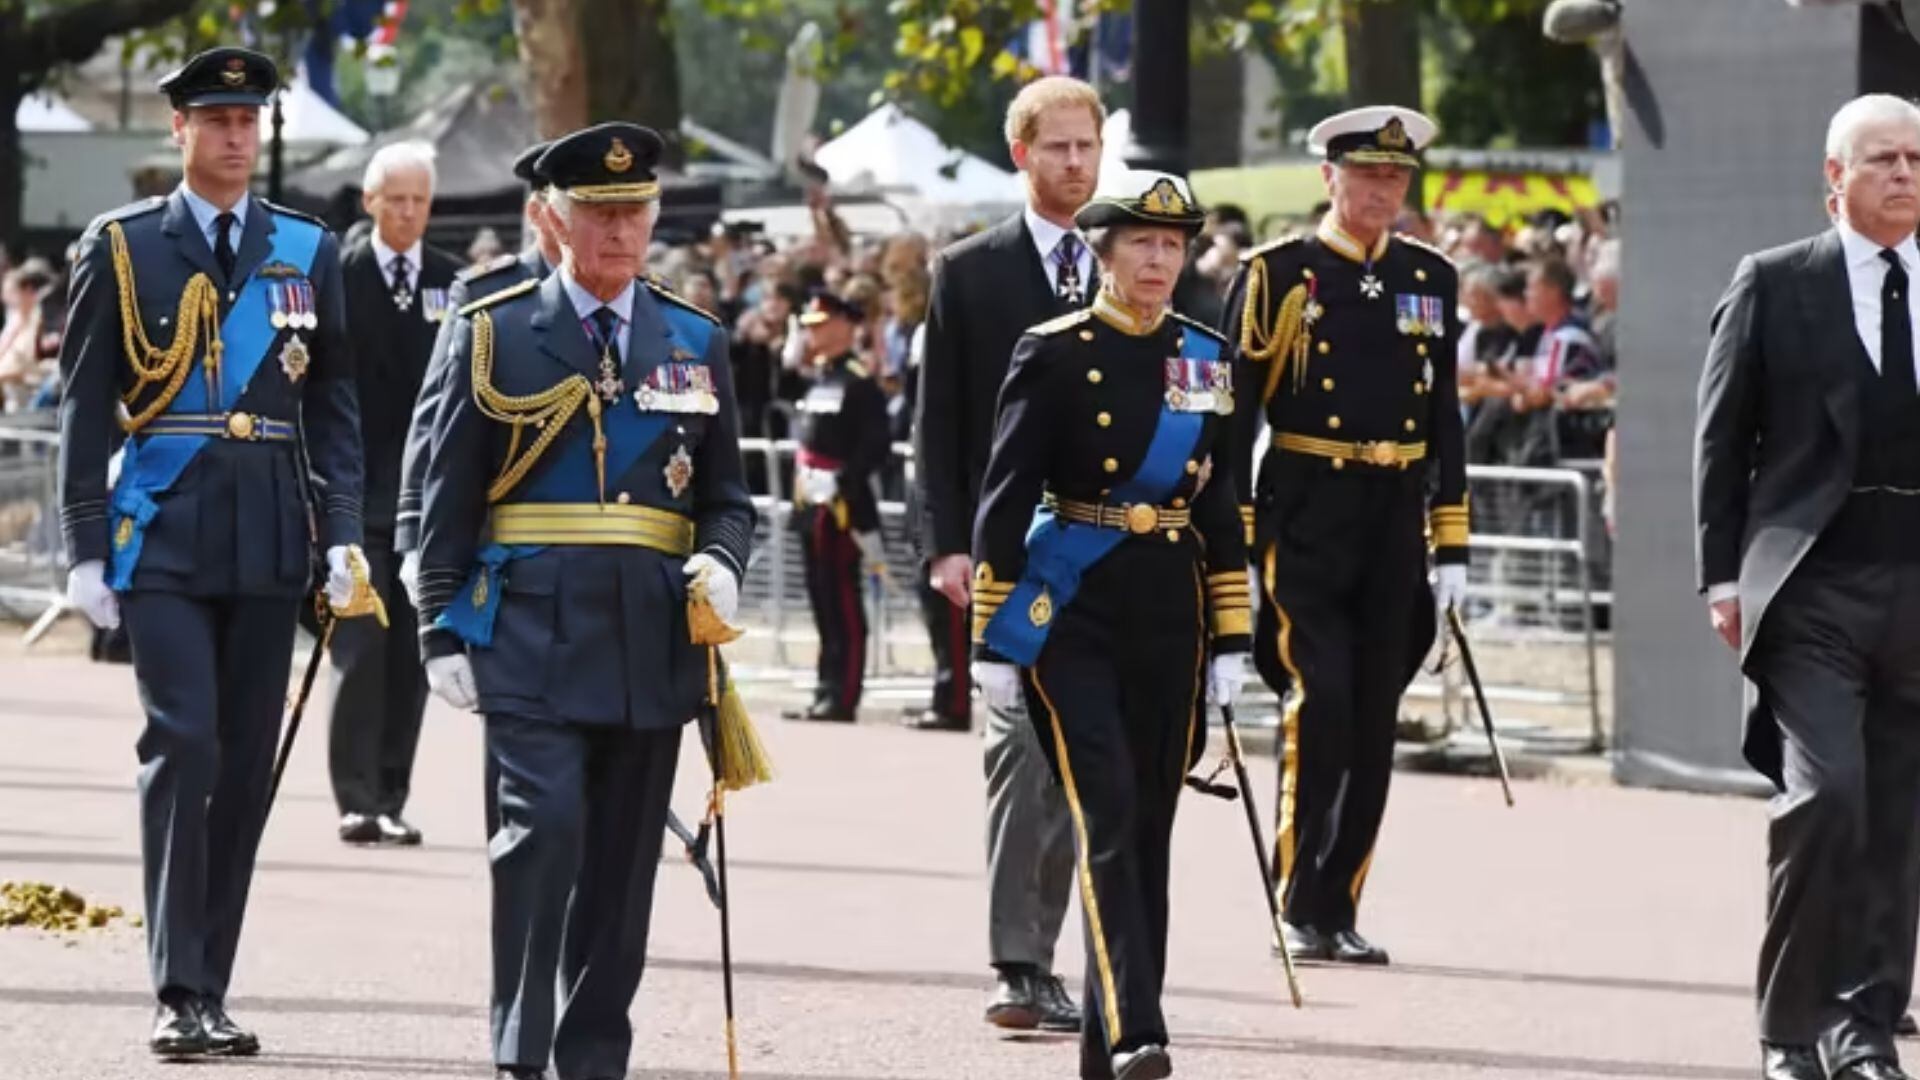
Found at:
(892, 153)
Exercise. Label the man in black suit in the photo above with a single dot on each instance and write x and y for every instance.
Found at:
(1807, 493)
(987, 290)
(397, 296)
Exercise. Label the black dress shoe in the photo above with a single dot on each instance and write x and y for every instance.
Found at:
(1873, 1069)
(519, 1072)
(395, 831)
(1304, 943)
(224, 1037)
(935, 720)
(1790, 1063)
(1350, 948)
(177, 1030)
(1057, 1010)
(1905, 1026)
(359, 829)
(1150, 1062)
(1016, 1004)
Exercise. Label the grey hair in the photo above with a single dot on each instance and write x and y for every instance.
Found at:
(561, 204)
(398, 157)
(1843, 133)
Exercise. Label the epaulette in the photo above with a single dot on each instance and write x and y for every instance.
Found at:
(1200, 326)
(675, 298)
(1272, 245)
(1423, 246)
(127, 212)
(1064, 322)
(493, 298)
(491, 266)
(287, 211)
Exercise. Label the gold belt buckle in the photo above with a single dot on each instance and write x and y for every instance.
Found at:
(1378, 453)
(1142, 518)
(240, 426)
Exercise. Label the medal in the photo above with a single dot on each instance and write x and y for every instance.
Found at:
(1371, 287)
(277, 300)
(294, 359)
(679, 471)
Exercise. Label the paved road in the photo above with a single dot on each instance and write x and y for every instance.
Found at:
(1594, 932)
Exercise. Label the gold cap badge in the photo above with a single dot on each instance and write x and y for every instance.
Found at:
(236, 72)
(1164, 198)
(1393, 136)
(619, 159)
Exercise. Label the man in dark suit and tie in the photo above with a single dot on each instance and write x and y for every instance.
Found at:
(987, 290)
(397, 295)
(1807, 493)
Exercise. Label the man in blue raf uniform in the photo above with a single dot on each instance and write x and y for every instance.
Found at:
(206, 326)
(843, 443)
(1346, 342)
(585, 450)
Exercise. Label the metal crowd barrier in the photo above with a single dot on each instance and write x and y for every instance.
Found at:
(32, 578)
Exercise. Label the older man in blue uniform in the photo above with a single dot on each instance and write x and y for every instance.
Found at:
(206, 328)
(584, 471)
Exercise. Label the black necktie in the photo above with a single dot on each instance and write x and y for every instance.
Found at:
(402, 288)
(606, 327)
(223, 245)
(1896, 329)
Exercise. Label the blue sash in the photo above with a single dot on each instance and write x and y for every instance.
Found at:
(1060, 552)
(568, 476)
(148, 467)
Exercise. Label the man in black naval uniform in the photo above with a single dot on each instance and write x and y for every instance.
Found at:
(1346, 351)
(397, 291)
(207, 327)
(843, 444)
(585, 468)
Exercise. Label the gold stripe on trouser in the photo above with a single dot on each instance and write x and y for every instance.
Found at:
(1199, 686)
(1360, 878)
(1102, 962)
(1283, 839)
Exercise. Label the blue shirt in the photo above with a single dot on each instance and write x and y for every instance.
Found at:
(205, 215)
(585, 304)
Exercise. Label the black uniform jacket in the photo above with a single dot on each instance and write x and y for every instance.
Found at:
(843, 421)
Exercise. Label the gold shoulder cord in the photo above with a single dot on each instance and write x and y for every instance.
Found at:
(1285, 342)
(198, 319)
(548, 411)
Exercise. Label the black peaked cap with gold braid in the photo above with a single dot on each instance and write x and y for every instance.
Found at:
(606, 163)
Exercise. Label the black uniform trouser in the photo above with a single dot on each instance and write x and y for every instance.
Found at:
(379, 696)
(581, 812)
(1115, 699)
(1342, 570)
(833, 587)
(213, 681)
(1837, 663)
(949, 636)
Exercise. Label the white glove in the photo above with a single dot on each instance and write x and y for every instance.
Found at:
(819, 486)
(87, 590)
(340, 575)
(410, 576)
(1225, 676)
(1000, 683)
(451, 679)
(1450, 586)
(871, 550)
(723, 589)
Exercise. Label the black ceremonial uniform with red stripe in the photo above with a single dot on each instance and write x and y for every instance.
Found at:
(1116, 688)
(1348, 354)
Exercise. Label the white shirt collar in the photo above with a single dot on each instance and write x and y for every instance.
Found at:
(1861, 251)
(385, 255)
(205, 212)
(1046, 235)
(585, 303)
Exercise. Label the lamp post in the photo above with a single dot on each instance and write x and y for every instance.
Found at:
(1161, 72)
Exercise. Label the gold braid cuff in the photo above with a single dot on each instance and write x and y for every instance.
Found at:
(548, 411)
(197, 321)
(1449, 526)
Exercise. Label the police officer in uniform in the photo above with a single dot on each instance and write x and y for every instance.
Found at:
(206, 327)
(1346, 350)
(843, 444)
(1110, 585)
(585, 469)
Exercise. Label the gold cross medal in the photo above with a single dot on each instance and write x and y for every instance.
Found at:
(679, 472)
(609, 385)
(294, 358)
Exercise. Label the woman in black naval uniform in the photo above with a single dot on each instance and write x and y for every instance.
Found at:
(1111, 586)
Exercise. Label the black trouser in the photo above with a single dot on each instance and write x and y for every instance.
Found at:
(213, 681)
(1342, 572)
(833, 586)
(948, 634)
(581, 812)
(1115, 698)
(379, 695)
(1837, 663)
